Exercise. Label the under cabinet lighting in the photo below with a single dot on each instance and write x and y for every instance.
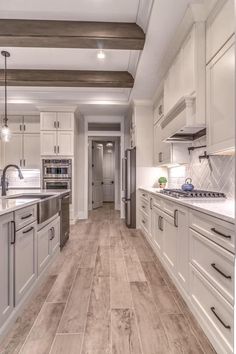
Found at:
(101, 54)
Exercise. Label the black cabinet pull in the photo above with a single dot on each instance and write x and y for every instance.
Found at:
(176, 218)
(218, 317)
(220, 233)
(26, 231)
(151, 203)
(143, 221)
(13, 232)
(219, 271)
(161, 223)
(26, 216)
(52, 233)
(143, 206)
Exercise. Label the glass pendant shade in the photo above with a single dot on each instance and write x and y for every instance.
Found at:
(5, 134)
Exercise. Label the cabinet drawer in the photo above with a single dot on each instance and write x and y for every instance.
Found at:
(144, 222)
(169, 208)
(144, 206)
(144, 195)
(157, 202)
(25, 216)
(214, 262)
(213, 311)
(215, 229)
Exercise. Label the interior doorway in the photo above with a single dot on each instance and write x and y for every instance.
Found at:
(104, 172)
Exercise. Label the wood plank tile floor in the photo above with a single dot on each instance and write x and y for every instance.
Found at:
(106, 293)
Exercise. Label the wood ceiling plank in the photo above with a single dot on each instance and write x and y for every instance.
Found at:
(67, 78)
(71, 34)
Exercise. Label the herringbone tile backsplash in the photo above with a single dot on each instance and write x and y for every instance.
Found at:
(217, 175)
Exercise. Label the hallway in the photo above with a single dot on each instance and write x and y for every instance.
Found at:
(106, 293)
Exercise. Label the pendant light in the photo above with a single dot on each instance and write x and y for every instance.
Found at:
(5, 131)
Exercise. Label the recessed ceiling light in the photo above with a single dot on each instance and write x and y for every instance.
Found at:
(101, 54)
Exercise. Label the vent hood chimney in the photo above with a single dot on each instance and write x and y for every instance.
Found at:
(180, 124)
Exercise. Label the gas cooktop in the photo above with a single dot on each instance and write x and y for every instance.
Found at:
(196, 193)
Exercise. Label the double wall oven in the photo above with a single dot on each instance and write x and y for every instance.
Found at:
(57, 174)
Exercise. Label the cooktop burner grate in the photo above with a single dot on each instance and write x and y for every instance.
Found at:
(196, 193)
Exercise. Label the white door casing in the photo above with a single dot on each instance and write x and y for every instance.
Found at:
(97, 173)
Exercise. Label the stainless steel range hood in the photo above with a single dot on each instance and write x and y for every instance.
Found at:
(181, 124)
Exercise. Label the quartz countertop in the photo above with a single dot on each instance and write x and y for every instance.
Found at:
(222, 208)
(10, 205)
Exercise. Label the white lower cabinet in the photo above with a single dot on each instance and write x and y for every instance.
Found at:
(169, 249)
(214, 313)
(25, 265)
(6, 267)
(48, 243)
(197, 250)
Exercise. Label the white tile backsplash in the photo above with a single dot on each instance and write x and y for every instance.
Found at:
(31, 179)
(221, 178)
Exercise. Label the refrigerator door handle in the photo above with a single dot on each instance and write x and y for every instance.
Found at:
(128, 175)
(123, 173)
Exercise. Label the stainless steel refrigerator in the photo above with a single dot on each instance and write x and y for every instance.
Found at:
(129, 186)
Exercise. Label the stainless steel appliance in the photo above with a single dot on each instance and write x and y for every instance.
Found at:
(57, 174)
(196, 193)
(57, 168)
(65, 219)
(129, 186)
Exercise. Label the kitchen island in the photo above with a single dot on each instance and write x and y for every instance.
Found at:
(30, 230)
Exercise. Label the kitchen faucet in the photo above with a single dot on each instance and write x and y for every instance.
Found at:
(3, 178)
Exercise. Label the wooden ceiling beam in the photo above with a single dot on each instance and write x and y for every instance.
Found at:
(67, 78)
(71, 34)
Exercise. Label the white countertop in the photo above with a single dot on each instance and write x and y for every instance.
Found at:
(10, 205)
(221, 208)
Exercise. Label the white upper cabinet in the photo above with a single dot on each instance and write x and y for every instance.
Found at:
(221, 100)
(168, 153)
(13, 150)
(31, 124)
(48, 140)
(186, 76)
(57, 120)
(15, 123)
(31, 151)
(48, 120)
(57, 133)
(65, 120)
(220, 27)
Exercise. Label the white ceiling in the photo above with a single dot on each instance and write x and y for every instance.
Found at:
(164, 20)
(81, 10)
(66, 58)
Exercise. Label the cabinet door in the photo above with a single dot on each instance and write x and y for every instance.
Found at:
(221, 100)
(6, 267)
(157, 229)
(15, 123)
(188, 65)
(32, 151)
(48, 142)
(25, 260)
(156, 145)
(220, 28)
(55, 236)
(48, 120)
(65, 120)
(169, 242)
(176, 79)
(13, 150)
(31, 124)
(182, 248)
(65, 143)
(43, 248)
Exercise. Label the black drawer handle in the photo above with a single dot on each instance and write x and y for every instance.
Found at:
(143, 221)
(220, 233)
(219, 271)
(26, 231)
(26, 216)
(176, 218)
(218, 317)
(13, 233)
(143, 207)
